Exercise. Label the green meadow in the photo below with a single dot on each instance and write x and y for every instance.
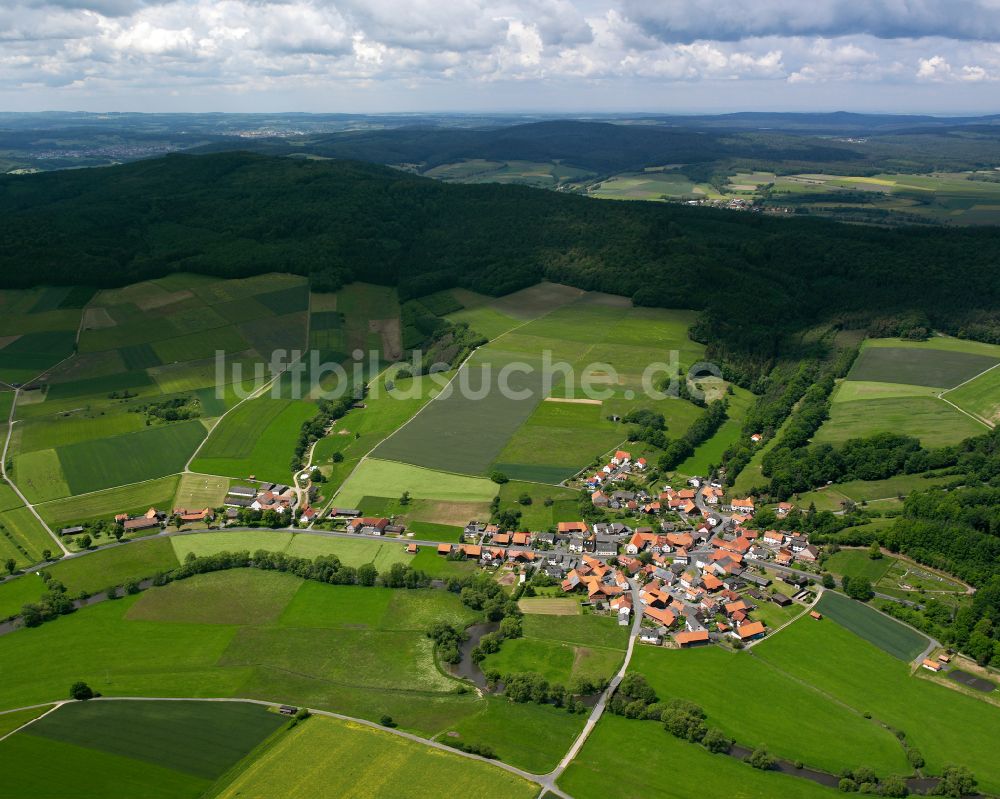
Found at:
(196, 638)
(258, 438)
(947, 726)
(502, 726)
(597, 771)
(794, 721)
(894, 385)
(133, 499)
(980, 397)
(563, 649)
(330, 757)
(92, 573)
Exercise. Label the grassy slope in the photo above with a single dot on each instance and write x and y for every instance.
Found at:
(793, 720)
(886, 633)
(659, 766)
(946, 726)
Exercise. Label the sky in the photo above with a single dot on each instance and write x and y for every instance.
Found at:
(370, 56)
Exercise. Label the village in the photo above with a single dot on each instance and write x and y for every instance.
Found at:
(705, 577)
(685, 565)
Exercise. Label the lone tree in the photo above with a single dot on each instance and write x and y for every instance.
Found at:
(367, 574)
(81, 691)
(11, 565)
(760, 758)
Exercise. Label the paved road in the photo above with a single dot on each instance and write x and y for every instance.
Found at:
(598, 711)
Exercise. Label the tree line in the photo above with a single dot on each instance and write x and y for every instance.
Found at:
(236, 214)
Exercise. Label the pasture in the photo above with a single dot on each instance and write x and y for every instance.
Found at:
(330, 757)
(501, 725)
(856, 563)
(884, 632)
(596, 773)
(795, 721)
(891, 488)
(91, 573)
(863, 677)
(388, 668)
(549, 504)
(563, 648)
(200, 491)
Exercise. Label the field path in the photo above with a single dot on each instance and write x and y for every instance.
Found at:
(526, 775)
(973, 416)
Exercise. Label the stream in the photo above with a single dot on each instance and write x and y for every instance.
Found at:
(466, 669)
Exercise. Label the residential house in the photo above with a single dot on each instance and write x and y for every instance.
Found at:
(367, 524)
(773, 538)
(744, 506)
(620, 458)
(605, 547)
(571, 528)
(809, 553)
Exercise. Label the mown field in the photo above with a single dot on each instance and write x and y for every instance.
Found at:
(980, 397)
(795, 721)
(330, 757)
(881, 630)
(258, 438)
(132, 499)
(895, 385)
(598, 339)
(140, 748)
(382, 478)
(948, 727)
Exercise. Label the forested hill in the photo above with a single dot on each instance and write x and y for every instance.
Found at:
(599, 146)
(234, 214)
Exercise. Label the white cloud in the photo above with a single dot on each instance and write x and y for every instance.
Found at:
(107, 47)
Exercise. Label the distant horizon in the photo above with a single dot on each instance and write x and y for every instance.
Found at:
(574, 114)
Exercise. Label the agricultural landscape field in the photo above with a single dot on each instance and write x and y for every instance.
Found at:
(91, 439)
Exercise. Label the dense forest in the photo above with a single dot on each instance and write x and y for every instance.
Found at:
(234, 214)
